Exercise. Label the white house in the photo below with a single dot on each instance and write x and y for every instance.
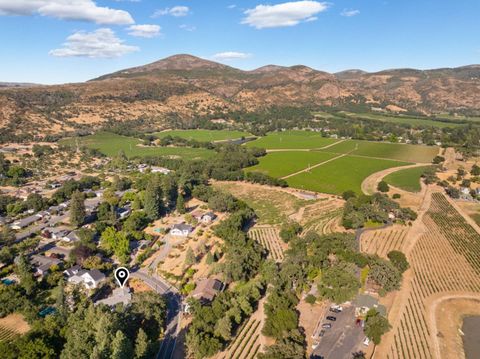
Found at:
(59, 233)
(208, 217)
(181, 230)
(24, 222)
(91, 279)
(71, 237)
(161, 170)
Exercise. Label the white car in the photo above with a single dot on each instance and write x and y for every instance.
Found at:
(366, 341)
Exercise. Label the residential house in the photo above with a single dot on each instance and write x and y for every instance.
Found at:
(71, 237)
(91, 279)
(124, 212)
(181, 230)
(364, 302)
(59, 233)
(207, 289)
(208, 217)
(70, 272)
(24, 222)
(161, 170)
(43, 264)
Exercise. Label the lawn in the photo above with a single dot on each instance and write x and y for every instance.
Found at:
(338, 176)
(204, 135)
(280, 164)
(111, 144)
(407, 179)
(292, 140)
(393, 151)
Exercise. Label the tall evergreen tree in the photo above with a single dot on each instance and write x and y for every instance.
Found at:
(141, 345)
(181, 204)
(121, 347)
(77, 209)
(153, 202)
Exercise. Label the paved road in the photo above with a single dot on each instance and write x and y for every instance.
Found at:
(174, 312)
(343, 338)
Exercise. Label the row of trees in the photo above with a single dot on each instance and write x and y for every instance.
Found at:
(377, 208)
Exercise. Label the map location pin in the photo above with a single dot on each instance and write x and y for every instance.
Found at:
(121, 275)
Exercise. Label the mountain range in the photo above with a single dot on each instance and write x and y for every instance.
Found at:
(185, 86)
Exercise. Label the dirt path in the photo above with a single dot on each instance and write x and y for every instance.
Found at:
(450, 159)
(304, 149)
(314, 166)
(369, 184)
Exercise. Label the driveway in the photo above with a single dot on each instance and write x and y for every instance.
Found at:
(343, 338)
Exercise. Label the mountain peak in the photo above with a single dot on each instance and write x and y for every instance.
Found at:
(183, 62)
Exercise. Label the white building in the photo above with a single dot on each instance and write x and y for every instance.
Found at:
(91, 279)
(181, 230)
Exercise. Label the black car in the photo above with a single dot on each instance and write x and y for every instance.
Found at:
(322, 333)
(332, 319)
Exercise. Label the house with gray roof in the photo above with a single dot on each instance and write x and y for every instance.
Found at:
(364, 302)
(181, 230)
(43, 264)
(91, 279)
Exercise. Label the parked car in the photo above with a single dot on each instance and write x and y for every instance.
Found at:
(322, 333)
(326, 326)
(315, 345)
(331, 318)
(336, 309)
(366, 341)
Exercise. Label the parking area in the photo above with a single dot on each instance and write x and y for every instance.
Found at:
(342, 339)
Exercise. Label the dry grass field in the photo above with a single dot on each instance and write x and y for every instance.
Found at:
(11, 326)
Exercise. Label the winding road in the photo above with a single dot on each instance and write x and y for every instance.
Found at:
(174, 310)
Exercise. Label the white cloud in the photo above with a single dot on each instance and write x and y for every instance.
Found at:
(231, 55)
(350, 12)
(101, 43)
(147, 31)
(81, 10)
(188, 27)
(285, 14)
(233, 6)
(177, 11)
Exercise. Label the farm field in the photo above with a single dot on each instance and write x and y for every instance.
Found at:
(272, 205)
(249, 339)
(340, 175)
(322, 217)
(406, 120)
(11, 326)
(280, 164)
(292, 140)
(270, 239)
(111, 144)
(204, 135)
(407, 179)
(392, 151)
(383, 241)
(445, 262)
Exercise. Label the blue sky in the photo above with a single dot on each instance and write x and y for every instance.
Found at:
(59, 41)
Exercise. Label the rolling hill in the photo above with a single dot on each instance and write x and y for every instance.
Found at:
(185, 86)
